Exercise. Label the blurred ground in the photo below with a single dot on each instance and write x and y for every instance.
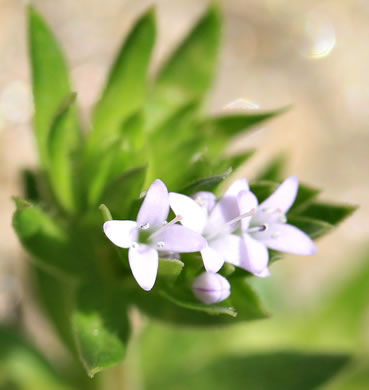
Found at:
(312, 54)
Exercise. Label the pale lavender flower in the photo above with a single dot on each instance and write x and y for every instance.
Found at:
(210, 287)
(268, 228)
(151, 234)
(216, 221)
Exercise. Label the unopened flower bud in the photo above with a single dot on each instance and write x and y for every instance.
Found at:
(210, 287)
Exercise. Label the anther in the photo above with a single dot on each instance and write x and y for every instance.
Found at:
(262, 228)
(164, 227)
(160, 244)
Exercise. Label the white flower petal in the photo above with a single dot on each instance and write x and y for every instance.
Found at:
(121, 233)
(193, 216)
(263, 274)
(207, 200)
(246, 202)
(213, 260)
(177, 238)
(155, 207)
(236, 187)
(256, 256)
(283, 197)
(144, 263)
(229, 247)
(210, 287)
(225, 210)
(286, 238)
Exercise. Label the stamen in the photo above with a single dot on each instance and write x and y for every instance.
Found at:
(282, 219)
(145, 226)
(160, 244)
(256, 229)
(250, 213)
(172, 222)
(268, 211)
(134, 245)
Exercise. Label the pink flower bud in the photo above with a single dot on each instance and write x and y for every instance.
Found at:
(210, 287)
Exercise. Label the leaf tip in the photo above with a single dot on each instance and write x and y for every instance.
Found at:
(20, 203)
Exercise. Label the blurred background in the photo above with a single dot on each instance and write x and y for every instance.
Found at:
(312, 54)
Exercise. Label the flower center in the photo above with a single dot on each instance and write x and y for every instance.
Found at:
(223, 227)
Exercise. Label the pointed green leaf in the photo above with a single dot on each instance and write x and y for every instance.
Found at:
(312, 227)
(245, 301)
(125, 90)
(205, 184)
(233, 161)
(121, 192)
(230, 125)
(30, 186)
(263, 189)
(101, 327)
(305, 195)
(189, 71)
(274, 170)
(49, 78)
(63, 146)
(48, 241)
(328, 212)
(169, 270)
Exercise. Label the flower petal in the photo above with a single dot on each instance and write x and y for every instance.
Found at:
(193, 216)
(246, 202)
(177, 238)
(121, 233)
(256, 256)
(210, 287)
(283, 197)
(286, 238)
(207, 200)
(144, 263)
(229, 247)
(155, 207)
(213, 260)
(225, 210)
(236, 187)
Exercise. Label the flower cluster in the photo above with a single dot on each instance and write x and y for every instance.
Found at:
(235, 229)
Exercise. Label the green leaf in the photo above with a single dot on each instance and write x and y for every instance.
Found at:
(245, 301)
(304, 196)
(30, 186)
(121, 192)
(48, 241)
(233, 161)
(215, 309)
(228, 126)
(169, 270)
(125, 90)
(63, 145)
(263, 189)
(189, 71)
(312, 227)
(274, 170)
(328, 212)
(49, 79)
(280, 370)
(101, 327)
(205, 184)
